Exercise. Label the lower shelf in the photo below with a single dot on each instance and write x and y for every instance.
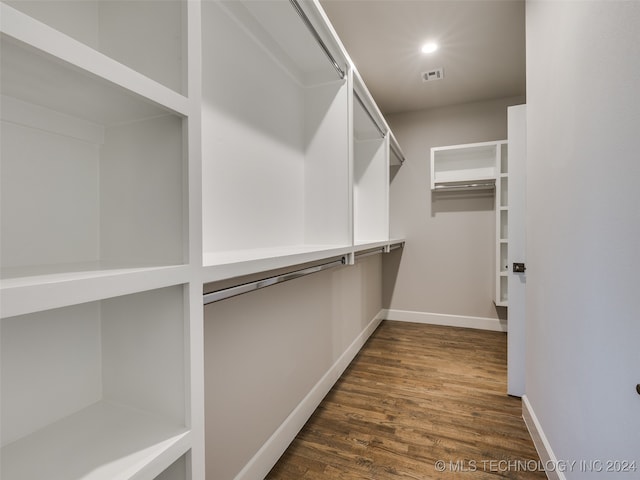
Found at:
(103, 441)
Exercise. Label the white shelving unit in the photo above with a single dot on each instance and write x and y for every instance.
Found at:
(479, 166)
(94, 250)
(76, 152)
(464, 166)
(275, 137)
(502, 226)
(149, 148)
(100, 382)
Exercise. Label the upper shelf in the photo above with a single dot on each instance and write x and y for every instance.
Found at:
(42, 66)
(120, 30)
(474, 165)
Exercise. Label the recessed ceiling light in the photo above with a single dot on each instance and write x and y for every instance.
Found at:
(429, 47)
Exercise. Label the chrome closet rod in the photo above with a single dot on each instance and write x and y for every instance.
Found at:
(267, 282)
(396, 246)
(382, 133)
(462, 186)
(378, 251)
(318, 38)
(398, 153)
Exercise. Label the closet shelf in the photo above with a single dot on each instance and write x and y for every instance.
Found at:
(51, 58)
(366, 245)
(25, 290)
(103, 441)
(232, 263)
(473, 163)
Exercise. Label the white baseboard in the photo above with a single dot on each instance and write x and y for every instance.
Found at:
(481, 323)
(262, 462)
(547, 457)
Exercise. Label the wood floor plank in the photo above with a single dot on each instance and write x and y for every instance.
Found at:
(418, 402)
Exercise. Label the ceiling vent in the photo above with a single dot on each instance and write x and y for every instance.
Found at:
(432, 75)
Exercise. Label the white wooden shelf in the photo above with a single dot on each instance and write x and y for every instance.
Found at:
(234, 263)
(26, 293)
(366, 245)
(104, 441)
(468, 163)
(24, 36)
(226, 265)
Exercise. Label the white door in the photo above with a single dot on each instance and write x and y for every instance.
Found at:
(516, 254)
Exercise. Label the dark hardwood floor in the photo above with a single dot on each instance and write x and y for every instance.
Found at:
(418, 402)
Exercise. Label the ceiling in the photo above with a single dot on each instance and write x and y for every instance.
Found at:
(482, 49)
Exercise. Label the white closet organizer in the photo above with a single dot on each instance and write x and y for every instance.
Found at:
(96, 390)
(103, 225)
(479, 166)
(275, 137)
(464, 166)
(502, 227)
(92, 166)
(93, 250)
(370, 169)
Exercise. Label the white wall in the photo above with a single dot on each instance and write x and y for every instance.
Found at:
(264, 353)
(583, 230)
(447, 266)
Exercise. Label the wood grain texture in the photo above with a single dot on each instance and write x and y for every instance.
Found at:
(417, 397)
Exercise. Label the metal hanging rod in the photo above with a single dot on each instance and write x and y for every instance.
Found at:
(267, 282)
(397, 152)
(380, 130)
(377, 251)
(318, 38)
(466, 186)
(396, 246)
(380, 250)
